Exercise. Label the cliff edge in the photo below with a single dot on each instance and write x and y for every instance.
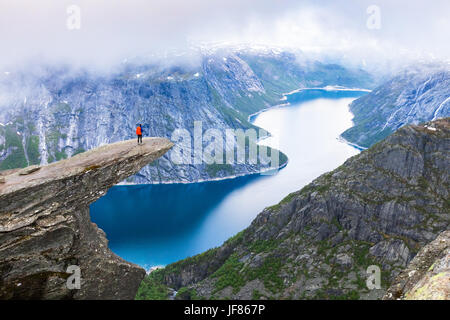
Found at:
(45, 225)
(427, 277)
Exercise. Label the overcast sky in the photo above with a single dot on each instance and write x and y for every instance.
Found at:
(111, 30)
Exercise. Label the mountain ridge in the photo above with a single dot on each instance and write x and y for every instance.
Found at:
(379, 208)
(418, 94)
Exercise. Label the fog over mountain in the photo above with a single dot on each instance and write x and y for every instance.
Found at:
(114, 30)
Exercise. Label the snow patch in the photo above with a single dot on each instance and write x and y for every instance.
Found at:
(439, 108)
(388, 122)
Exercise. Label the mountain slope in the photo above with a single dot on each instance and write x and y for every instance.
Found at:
(55, 113)
(420, 94)
(379, 208)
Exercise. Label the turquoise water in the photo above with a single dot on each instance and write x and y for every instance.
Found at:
(154, 225)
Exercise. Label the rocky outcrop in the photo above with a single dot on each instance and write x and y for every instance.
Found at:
(427, 277)
(45, 225)
(378, 209)
(419, 94)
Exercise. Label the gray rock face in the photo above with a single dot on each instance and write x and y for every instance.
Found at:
(379, 208)
(427, 277)
(45, 225)
(420, 94)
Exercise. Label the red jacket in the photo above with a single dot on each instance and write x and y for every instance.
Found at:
(139, 131)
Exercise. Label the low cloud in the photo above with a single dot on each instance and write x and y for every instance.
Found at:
(113, 30)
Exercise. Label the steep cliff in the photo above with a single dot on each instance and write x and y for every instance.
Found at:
(45, 225)
(422, 93)
(427, 277)
(379, 208)
(53, 113)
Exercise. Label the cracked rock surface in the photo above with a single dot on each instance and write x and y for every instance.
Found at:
(45, 225)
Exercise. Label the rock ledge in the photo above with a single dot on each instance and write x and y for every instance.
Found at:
(45, 225)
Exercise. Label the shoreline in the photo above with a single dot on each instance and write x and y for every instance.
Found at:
(206, 180)
(354, 145)
(327, 88)
(281, 105)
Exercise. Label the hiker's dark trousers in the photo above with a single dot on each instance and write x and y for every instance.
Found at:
(140, 138)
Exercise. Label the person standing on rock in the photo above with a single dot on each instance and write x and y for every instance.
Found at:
(139, 133)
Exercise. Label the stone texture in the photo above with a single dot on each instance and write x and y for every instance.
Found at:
(45, 225)
(379, 208)
(29, 170)
(427, 277)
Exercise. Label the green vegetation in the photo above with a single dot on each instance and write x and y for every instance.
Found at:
(228, 275)
(236, 239)
(233, 274)
(423, 183)
(256, 295)
(79, 150)
(186, 293)
(322, 247)
(325, 295)
(285, 200)
(214, 169)
(33, 149)
(60, 155)
(13, 143)
(230, 115)
(53, 137)
(197, 260)
(351, 295)
(151, 287)
(361, 255)
(259, 246)
(268, 272)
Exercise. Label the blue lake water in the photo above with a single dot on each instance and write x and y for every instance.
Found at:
(154, 225)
